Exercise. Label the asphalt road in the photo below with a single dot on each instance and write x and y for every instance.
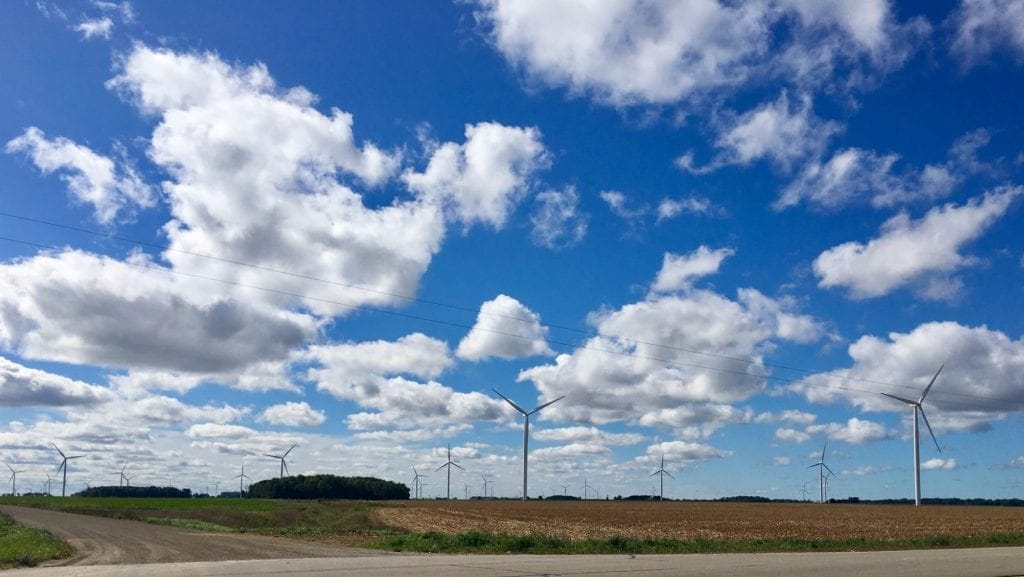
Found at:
(999, 562)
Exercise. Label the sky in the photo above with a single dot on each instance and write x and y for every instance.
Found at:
(719, 230)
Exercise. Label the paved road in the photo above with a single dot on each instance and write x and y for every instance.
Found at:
(102, 541)
(946, 563)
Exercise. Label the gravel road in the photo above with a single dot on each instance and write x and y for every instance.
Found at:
(102, 541)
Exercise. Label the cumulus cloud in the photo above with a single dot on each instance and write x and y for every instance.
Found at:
(292, 415)
(910, 251)
(80, 308)
(644, 358)
(484, 179)
(855, 175)
(506, 329)
(557, 222)
(670, 208)
(679, 271)
(400, 403)
(587, 435)
(855, 431)
(780, 461)
(981, 381)
(939, 464)
(694, 421)
(96, 28)
(21, 386)
(637, 52)
(791, 435)
(93, 179)
(346, 368)
(791, 416)
(686, 451)
(987, 26)
(776, 131)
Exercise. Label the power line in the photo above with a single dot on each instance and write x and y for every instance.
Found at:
(569, 346)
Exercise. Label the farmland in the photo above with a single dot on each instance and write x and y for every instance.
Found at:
(577, 526)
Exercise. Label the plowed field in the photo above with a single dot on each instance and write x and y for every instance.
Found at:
(687, 521)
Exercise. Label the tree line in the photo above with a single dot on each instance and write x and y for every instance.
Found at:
(328, 487)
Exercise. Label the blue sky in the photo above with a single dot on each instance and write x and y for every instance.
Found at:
(720, 231)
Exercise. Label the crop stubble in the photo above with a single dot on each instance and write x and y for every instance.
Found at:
(689, 521)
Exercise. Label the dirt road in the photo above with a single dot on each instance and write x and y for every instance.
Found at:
(102, 541)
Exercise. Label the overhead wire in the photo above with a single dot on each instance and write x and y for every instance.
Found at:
(569, 346)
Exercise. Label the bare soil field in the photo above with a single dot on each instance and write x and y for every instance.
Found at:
(580, 520)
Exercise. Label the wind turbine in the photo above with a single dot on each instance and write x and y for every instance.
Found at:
(804, 491)
(586, 487)
(565, 490)
(467, 491)
(48, 481)
(416, 482)
(449, 464)
(64, 466)
(123, 477)
(526, 432)
(284, 465)
(14, 481)
(822, 467)
(917, 438)
(662, 472)
(241, 478)
(486, 482)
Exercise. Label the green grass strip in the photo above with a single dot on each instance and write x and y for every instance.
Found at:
(477, 542)
(24, 547)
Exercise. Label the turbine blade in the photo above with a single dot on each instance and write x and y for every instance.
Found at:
(11, 468)
(669, 475)
(655, 473)
(271, 456)
(907, 401)
(547, 404)
(813, 466)
(509, 401)
(457, 466)
(441, 467)
(58, 449)
(928, 388)
(289, 450)
(829, 470)
(823, 447)
(930, 430)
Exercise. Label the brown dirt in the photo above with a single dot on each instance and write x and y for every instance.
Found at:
(687, 521)
(104, 541)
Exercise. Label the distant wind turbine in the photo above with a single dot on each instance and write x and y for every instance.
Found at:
(565, 490)
(241, 478)
(14, 481)
(64, 466)
(917, 438)
(662, 472)
(486, 482)
(822, 467)
(804, 491)
(449, 465)
(416, 483)
(284, 465)
(526, 432)
(586, 487)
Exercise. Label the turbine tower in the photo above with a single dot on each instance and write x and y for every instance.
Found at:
(241, 478)
(565, 490)
(284, 465)
(486, 482)
(586, 488)
(918, 409)
(449, 464)
(14, 481)
(822, 467)
(526, 432)
(64, 466)
(124, 478)
(662, 472)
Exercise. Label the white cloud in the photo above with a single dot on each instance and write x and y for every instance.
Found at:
(484, 179)
(557, 222)
(685, 451)
(643, 362)
(791, 435)
(987, 26)
(80, 308)
(670, 208)
(91, 178)
(775, 130)
(400, 403)
(981, 381)
(351, 370)
(1018, 462)
(780, 461)
(679, 271)
(855, 431)
(694, 421)
(638, 52)
(292, 415)
(939, 465)
(570, 451)
(853, 175)
(506, 329)
(259, 176)
(21, 386)
(587, 435)
(788, 416)
(911, 251)
(96, 28)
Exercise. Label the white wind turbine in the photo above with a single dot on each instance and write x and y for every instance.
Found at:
(449, 465)
(284, 465)
(241, 478)
(526, 432)
(14, 481)
(64, 466)
(486, 482)
(662, 472)
(918, 409)
(822, 467)
(416, 483)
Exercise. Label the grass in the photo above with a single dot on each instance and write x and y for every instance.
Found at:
(477, 542)
(24, 547)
